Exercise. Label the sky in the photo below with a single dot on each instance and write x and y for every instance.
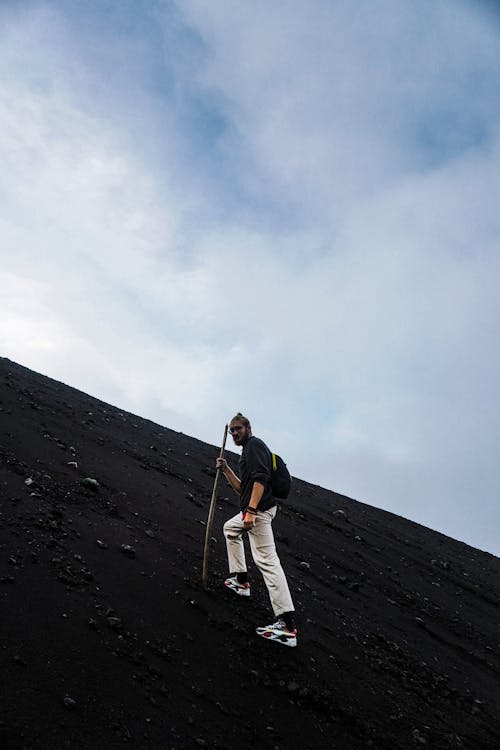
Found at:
(287, 209)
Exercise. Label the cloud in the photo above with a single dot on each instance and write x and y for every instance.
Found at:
(287, 213)
(334, 104)
(380, 321)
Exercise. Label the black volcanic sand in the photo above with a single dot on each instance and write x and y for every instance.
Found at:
(104, 646)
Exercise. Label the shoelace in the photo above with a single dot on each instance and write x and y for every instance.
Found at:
(280, 624)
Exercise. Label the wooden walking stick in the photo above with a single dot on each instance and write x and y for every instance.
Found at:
(210, 519)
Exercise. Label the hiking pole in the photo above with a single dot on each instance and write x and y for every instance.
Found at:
(210, 519)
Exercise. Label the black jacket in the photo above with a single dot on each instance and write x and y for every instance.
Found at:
(255, 466)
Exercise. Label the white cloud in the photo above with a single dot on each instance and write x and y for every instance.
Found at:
(341, 290)
(332, 105)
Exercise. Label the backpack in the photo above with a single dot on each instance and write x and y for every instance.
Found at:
(281, 481)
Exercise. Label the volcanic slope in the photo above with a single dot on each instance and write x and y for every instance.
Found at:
(107, 637)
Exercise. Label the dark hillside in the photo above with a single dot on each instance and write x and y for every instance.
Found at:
(104, 646)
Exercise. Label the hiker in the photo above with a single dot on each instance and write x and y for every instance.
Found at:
(258, 509)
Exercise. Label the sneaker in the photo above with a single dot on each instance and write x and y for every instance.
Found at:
(278, 632)
(242, 589)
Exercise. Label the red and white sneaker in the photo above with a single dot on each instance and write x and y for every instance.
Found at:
(242, 589)
(279, 632)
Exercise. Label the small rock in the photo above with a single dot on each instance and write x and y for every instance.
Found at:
(69, 702)
(73, 464)
(101, 544)
(353, 585)
(91, 484)
(305, 565)
(292, 687)
(127, 550)
(419, 738)
(28, 482)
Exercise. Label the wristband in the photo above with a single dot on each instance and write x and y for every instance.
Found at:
(252, 511)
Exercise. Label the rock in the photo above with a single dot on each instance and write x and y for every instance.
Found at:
(127, 550)
(101, 544)
(418, 738)
(28, 482)
(69, 702)
(73, 464)
(304, 565)
(91, 484)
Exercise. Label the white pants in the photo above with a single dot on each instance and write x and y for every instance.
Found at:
(264, 554)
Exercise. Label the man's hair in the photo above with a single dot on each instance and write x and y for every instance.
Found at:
(240, 418)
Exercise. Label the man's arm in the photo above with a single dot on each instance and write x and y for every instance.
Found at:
(256, 496)
(251, 511)
(231, 477)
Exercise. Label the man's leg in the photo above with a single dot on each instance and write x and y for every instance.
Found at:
(233, 530)
(267, 560)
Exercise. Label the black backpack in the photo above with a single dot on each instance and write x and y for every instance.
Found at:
(281, 481)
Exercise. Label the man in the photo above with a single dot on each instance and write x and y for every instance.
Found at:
(258, 509)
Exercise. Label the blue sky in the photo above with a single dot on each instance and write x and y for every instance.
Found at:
(285, 209)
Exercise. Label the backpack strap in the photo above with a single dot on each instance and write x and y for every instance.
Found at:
(274, 461)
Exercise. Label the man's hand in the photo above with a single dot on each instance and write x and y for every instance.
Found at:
(221, 464)
(248, 520)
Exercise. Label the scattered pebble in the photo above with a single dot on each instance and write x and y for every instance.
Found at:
(69, 702)
(91, 484)
(127, 550)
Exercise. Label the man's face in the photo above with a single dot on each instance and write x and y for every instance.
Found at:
(239, 432)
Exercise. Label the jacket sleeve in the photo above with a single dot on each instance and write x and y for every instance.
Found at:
(259, 462)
